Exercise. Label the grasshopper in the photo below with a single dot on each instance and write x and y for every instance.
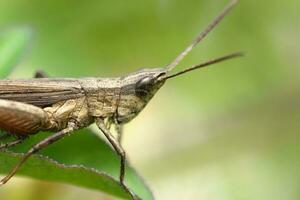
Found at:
(62, 105)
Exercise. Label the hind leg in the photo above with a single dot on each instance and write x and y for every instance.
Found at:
(21, 119)
(5, 141)
(11, 144)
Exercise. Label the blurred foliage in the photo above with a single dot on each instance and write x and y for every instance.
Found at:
(227, 132)
(78, 166)
(82, 170)
(13, 43)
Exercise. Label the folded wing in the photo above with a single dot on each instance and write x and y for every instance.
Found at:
(40, 92)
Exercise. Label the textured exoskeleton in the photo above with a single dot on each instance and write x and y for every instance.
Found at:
(62, 105)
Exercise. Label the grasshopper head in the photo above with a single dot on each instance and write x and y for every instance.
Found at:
(138, 88)
(148, 82)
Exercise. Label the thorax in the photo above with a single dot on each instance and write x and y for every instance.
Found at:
(102, 96)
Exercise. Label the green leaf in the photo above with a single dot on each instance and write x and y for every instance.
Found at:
(13, 44)
(82, 159)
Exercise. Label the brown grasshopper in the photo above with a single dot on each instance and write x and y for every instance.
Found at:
(63, 105)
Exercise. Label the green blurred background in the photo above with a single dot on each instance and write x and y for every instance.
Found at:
(227, 132)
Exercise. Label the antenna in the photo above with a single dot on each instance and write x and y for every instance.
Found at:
(202, 35)
(210, 62)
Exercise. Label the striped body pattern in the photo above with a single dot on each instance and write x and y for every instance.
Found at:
(51, 103)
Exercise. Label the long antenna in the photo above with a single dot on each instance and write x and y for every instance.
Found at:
(211, 62)
(202, 35)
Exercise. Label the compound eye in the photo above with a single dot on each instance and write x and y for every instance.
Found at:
(144, 85)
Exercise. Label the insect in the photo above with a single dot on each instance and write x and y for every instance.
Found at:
(62, 105)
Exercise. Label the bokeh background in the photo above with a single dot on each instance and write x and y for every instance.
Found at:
(226, 132)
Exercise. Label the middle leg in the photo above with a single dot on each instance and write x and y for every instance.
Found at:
(42, 144)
